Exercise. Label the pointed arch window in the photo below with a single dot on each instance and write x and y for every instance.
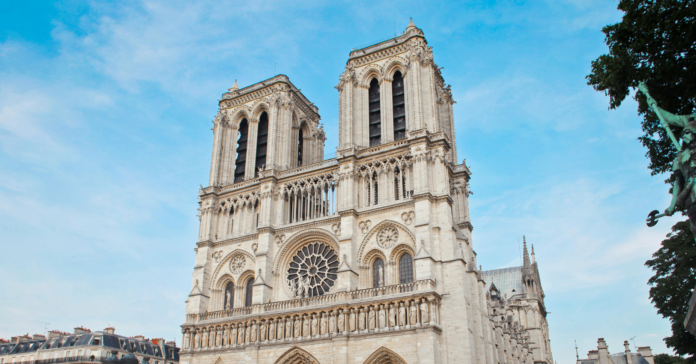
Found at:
(378, 273)
(249, 292)
(229, 296)
(240, 163)
(300, 145)
(406, 268)
(375, 115)
(399, 103)
(261, 143)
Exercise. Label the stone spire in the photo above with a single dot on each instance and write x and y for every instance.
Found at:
(410, 25)
(533, 257)
(234, 87)
(525, 253)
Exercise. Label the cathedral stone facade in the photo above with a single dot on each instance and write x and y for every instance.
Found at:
(364, 258)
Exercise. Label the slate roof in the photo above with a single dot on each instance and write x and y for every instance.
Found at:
(507, 280)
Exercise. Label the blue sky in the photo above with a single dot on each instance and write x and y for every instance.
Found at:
(105, 117)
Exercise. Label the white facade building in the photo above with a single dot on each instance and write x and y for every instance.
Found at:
(364, 258)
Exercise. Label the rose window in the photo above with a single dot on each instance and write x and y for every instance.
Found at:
(387, 237)
(312, 271)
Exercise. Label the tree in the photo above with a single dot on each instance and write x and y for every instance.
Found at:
(674, 265)
(654, 42)
(669, 359)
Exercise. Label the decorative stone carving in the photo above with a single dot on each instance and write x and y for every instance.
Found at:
(408, 217)
(365, 226)
(237, 264)
(280, 239)
(388, 237)
(336, 228)
(217, 256)
(254, 247)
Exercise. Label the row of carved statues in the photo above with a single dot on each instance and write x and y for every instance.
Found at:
(397, 315)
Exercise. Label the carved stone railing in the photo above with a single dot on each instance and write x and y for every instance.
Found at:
(339, 297)
(309, 167)
(401, 307)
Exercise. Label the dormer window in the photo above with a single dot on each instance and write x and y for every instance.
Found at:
(375, 115)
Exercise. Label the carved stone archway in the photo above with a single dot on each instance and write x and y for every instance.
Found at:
(297, 355)
(384, 356)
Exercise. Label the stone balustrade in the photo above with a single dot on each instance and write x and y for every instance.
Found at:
(369, 311)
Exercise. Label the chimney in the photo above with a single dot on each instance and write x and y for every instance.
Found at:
(646, 353)
(109, 330)
(627, 350)
(39, 337)
(139, 337)
(603, 350)
(81, 330)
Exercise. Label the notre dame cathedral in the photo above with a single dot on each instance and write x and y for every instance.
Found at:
(363, 258)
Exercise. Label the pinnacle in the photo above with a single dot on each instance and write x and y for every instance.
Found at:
(235, 86)
(410, 24)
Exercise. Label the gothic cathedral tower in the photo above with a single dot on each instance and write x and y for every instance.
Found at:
(364, 258)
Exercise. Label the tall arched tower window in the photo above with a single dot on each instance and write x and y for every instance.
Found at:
(229, 296)
(406, 268)
(378, 273)
(240, 163)
(399, 106)
(300, 145)
(261, 143)
(249, 291)
(375, 116)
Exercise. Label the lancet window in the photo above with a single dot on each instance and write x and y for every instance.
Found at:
(249, 292)
(375, 115)
(240, 163)
(384, 181)
(300, 145)
(237, 215)
(378, 273)
(229, 296)
(261, 143)
(308, 199)
(406, 268)
(399, 106)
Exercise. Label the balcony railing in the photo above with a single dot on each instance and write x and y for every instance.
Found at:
(339, 297)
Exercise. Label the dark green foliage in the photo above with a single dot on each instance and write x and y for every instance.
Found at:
(669, 359)
(674, 265)
(655, 42)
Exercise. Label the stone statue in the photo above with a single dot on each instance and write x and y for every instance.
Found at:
(288, 328)
(281, 329)
(361, 320)
(332, 323)
(683, 166)
(392, 316)
(341, 322)
(262, 336)
(298, 327)
(380, 276)
(225, 336)
(204, 339)
(218, 338)
(315, 325)
(211, 340)
(305, 326)
(424, 312)
(382, 318)
(228, 299)
(247, 339)
(402, 315)
(233, 335)
(413, 318)
(371, 321)
(324, 324)
(271, 330)
(240, 335)
(351, 323)
(196, 340)
(187, 337)
(252, 337)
